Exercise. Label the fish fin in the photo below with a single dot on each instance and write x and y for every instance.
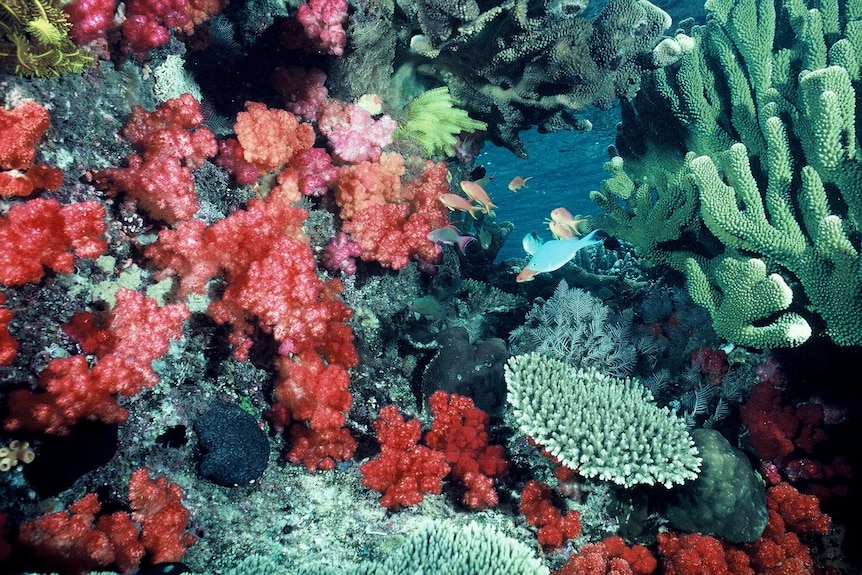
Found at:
(463, 242)
(531, 243)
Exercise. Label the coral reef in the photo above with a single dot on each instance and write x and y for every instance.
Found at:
(753, 192)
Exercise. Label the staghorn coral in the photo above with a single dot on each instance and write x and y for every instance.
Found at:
(741, 170)
(34, 39)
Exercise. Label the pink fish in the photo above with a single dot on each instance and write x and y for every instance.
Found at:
(518, 182)
(456, 202)
(578, 225)
(478, 194)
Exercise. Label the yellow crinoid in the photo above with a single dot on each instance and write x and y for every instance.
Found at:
(34, 39)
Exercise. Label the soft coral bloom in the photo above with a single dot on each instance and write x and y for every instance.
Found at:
(21, 128)
(171, 141)
(141, 332)
(43, 233)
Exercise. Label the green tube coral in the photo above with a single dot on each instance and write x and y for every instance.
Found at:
(754, 132)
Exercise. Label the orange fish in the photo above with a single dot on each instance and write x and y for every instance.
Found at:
(456, 202)
(478, 194)
(518, 182)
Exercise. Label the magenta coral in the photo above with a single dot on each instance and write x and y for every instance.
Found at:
(302, 90)
(340, 254)
(90, 19)
(323, 22)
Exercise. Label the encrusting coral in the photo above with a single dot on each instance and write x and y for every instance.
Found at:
(763, 213)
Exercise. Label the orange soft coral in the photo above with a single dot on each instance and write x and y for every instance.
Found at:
(270, 137)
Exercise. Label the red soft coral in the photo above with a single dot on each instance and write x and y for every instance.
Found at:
(21, 128)
(157, 507)
(610, 556)
(390, 224)
(8, 345)
(538, 508)
(76, 542)
(696, 554)
(141, 331)
(171, 141)
(460, 431)
(41, 233)
(403, 471)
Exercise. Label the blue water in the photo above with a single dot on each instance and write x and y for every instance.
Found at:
(564, 168)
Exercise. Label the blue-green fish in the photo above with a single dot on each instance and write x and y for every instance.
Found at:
(553, 255)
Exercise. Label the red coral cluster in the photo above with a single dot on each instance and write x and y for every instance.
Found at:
(611, 556)
(8, 345)
(778, 551)
(42, 233)
(404, 470)
(71, 390)
(21, 128)
(538, 508)
(456, 447)
(388, 220)
(459, 430)
(171, 142)
(76, 541)
(785, 437)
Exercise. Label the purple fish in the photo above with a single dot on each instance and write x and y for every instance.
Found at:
(452, 236)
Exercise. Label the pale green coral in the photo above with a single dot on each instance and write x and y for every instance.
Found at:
(439, 547)
(763, 111)
(603, 426)
(432, 121)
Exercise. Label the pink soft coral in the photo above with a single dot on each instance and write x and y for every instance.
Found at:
(354, 136)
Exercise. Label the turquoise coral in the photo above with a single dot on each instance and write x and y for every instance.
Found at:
(759, 201)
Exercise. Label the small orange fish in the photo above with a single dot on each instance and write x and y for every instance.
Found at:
(478, 194)
(456, 202)
(518, 182)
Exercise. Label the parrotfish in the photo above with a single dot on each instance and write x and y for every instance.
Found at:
(518, 182)
(456, 202)
(452, 236)
(478, 194)
(553, 255)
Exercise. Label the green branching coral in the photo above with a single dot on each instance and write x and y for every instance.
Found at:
(34, 39)
(432, 121)
(744, 171)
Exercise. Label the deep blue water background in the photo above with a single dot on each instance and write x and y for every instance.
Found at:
(564, 168)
